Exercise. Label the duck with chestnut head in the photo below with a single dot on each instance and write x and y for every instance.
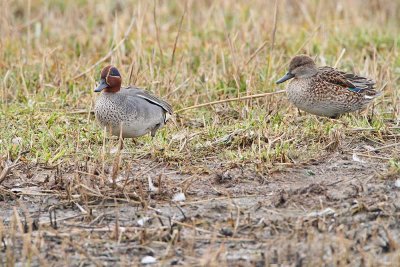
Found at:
(326, 91)
(132, 110)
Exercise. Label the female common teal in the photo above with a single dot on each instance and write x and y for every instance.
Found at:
(325, 91)
(131, 109)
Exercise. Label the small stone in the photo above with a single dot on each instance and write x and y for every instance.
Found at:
(152, 188)
(226, 232)
(17, 140)
(179, 197)
(114, 150)
(357, 158)
(148, 260)
(142, 221)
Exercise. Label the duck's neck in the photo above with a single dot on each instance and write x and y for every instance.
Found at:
(114, 89)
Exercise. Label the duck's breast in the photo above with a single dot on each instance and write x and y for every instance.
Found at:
(299, 93)
(107, 110)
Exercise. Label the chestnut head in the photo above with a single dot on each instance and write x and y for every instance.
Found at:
(300, 66)
(110, 80)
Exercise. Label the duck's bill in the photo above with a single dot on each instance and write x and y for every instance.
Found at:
(101, 86)
(287, 76)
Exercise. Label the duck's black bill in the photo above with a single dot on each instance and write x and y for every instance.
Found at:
(287, 76)
(101, 86)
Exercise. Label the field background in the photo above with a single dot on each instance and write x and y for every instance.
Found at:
(263, 184)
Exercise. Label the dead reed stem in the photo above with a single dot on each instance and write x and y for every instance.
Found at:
(230, 100)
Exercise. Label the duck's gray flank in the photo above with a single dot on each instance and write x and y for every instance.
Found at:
(152, 99)
(131, 109)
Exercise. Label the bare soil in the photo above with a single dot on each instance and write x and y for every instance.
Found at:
(333, 211)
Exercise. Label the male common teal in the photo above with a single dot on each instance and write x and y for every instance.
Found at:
(325, 91)
(131, 109)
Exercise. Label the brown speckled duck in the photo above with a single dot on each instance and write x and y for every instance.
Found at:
(325, 91)
(131, 109)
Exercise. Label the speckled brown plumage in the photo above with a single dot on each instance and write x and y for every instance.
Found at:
(325, 91)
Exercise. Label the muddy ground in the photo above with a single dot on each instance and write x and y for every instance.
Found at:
(336, 210)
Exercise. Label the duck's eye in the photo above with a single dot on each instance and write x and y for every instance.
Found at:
(114, 72)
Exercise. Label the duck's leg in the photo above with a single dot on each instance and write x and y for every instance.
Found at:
(121, 143)
(121, 138)
(134, 141)
(299, 112)
(334, 117)
(155, 149)
(371, 117)
(153, 134)
(154, 130)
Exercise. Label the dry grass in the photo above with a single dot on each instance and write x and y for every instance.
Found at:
(241, 164)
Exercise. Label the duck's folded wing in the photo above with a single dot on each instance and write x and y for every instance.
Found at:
(137, 92)
(349, 80)
(334, 76)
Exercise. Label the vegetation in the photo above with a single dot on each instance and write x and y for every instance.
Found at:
(189, 53)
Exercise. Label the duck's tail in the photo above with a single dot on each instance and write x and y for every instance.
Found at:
(371, 94)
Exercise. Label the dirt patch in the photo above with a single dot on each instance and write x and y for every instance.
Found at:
(334, 211)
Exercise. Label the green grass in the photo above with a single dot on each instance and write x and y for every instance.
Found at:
(224, 49)
(45, 47)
